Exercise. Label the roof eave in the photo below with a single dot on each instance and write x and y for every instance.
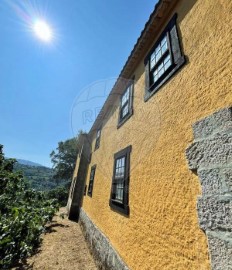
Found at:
(156, 20)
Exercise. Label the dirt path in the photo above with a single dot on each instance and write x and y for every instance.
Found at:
(63, 248)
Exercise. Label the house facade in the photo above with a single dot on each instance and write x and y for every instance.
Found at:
(152, 188)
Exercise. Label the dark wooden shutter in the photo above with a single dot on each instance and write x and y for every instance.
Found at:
(175, 44)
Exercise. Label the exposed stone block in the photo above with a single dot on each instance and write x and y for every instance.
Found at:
(220, 245)
(211, 152)
(211, 155)
(227, 173)
(216, 181)
(105, 255)
(215, 212)
(217, 122)
(211, 181)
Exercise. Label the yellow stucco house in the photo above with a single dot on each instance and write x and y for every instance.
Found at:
(152, 188)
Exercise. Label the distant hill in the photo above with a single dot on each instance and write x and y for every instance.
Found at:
(30, 163)
(39, 177)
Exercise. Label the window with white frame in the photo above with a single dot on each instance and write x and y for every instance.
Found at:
(160, 60)
(119, 199)
(125, 110)
(164, 59)
(98, 137)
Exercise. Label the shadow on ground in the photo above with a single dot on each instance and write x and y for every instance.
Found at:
(63, 247)
(50, 228)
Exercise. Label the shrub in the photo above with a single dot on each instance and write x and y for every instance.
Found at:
(23, 214)
(60, 194)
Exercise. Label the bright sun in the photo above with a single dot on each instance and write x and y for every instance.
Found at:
(43, 31)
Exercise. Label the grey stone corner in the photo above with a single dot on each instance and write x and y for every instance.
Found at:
(210, 155)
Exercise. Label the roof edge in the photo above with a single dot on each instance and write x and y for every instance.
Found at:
(157, 16)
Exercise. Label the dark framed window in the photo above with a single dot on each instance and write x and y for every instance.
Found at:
(98, 137)
(119, 198)
(91, 180)
(126, 110)
(164, 59)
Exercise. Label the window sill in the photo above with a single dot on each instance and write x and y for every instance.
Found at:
(95, 149)
(89, 194)
(121, 122)
(120, 208)
(154, 88)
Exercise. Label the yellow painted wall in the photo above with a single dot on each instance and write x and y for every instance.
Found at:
(162, 232)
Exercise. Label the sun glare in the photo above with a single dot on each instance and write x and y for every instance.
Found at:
(33, 18)
(43, 31)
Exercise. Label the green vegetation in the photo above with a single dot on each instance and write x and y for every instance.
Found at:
(64, 159)
(59, 193)
(29, 198)
(39, 178)
(23, 214)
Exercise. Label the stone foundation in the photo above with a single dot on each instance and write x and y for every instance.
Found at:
(210, 156)
(103, 252)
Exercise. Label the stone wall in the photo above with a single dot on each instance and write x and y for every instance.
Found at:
(104, 254)
(211, 156)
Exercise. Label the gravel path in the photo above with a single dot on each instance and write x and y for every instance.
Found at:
(63, 248)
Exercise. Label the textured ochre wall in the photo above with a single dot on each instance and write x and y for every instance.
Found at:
(162, 231)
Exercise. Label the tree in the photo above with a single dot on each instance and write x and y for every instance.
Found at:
(64, 159)
(59, 193)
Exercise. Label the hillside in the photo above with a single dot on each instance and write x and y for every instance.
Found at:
(39, 177)
(27, 162)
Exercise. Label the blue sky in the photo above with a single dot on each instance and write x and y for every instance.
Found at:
(39, 82)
